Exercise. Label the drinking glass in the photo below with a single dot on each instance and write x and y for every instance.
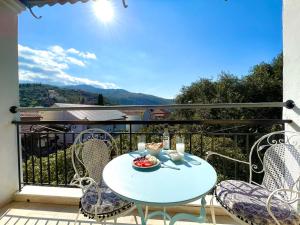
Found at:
(141, 143)
(180, 145)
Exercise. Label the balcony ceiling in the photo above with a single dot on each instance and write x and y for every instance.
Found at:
(41, 3)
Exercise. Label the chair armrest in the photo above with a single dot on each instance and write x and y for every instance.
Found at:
(293, 197)
(82, 182)
(210, 153)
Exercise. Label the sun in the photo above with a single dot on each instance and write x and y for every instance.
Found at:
(104, 10)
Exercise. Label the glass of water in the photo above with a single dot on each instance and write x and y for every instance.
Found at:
(180, 148)
(141, 143)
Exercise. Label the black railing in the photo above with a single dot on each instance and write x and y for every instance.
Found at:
(45, 154)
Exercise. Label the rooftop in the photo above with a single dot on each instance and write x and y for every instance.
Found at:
(30, 115)
(92, 114)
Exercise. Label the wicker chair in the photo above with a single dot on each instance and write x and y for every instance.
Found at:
(91, 151)
(276, 200)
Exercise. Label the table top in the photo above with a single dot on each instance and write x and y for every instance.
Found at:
(160, 186)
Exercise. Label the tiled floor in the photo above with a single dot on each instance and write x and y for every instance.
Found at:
(22, 213)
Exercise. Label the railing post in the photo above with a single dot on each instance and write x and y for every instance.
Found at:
(19, 158)
(48, 160)
(190, 137)
(65, 160)
(121, 143)
(41, 159)
(130, 136)
(32, 159)
(201, 144)
(25, 154)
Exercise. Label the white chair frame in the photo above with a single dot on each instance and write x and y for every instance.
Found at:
(84, 181)
(291, 194)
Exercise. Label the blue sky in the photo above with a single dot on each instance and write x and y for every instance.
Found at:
(153, 46)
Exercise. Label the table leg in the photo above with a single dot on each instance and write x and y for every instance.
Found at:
(190, 217)
(165, 223)
(141, 213)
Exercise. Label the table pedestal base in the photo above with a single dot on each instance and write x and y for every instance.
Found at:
(176, 217)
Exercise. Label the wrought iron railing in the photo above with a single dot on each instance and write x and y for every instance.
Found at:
(44, 146)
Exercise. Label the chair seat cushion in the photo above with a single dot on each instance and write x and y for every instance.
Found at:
(248, 203)
(109, 203)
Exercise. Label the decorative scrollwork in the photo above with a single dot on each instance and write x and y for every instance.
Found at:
(82, 182)
(91, 150)
(286, 196)
(271, 146)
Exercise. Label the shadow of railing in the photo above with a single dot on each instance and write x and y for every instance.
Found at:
(18, 220)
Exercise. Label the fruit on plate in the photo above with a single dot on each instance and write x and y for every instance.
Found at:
(145, 161)
(154, 146)
(151, 159)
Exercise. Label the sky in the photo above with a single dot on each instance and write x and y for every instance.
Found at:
(153, 46)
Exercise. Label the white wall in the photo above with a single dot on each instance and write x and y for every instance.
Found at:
(291, 74)
(9, 95)
(136, 127)
(291, 61)
(52, 115)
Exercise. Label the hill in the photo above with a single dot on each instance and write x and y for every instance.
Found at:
(123, 97)
(46, 95)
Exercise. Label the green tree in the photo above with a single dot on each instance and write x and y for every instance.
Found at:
(262, 84)
(100, 99)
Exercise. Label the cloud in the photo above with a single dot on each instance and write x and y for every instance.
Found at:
(86, 55)
(51, 65)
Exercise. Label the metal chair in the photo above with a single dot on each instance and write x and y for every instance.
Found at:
(275, 200)
(91, 151)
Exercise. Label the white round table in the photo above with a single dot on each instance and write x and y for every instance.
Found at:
(161, 186)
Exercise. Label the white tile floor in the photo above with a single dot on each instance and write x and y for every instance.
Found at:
(23, 213)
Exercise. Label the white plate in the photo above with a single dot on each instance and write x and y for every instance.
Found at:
(149, 167)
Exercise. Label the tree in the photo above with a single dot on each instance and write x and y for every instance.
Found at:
(82, 100)
(262, 84)
(100, 99)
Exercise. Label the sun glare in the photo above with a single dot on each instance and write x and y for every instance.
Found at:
(104, 10)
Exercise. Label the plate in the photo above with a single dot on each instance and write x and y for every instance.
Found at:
(148, 167)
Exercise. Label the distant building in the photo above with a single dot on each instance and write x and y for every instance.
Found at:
(85, 115)
(42, 139)
(157, 114)
(134, 115)
(53, 94)
(30, 116)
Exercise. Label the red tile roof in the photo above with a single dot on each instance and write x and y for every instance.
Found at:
(133, 112)
(30, 114)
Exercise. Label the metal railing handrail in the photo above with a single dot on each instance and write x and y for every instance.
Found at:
(288, 104)
(42, 157)
(155, 122)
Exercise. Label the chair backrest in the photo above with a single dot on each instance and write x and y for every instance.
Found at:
(277, 156)
(91, 151)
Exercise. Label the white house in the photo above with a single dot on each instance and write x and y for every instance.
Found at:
(85, 115)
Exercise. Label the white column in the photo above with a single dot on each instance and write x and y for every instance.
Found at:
(291, 61)
(291, 74)
(9, 95)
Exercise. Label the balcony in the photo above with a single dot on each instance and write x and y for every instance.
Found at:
(19, 213)
(45, 172)
(29, 161)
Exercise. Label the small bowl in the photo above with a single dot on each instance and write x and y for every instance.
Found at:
(154, 148)
(154, 152)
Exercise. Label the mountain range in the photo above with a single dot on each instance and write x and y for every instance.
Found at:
(122, 97)
(32, 95)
